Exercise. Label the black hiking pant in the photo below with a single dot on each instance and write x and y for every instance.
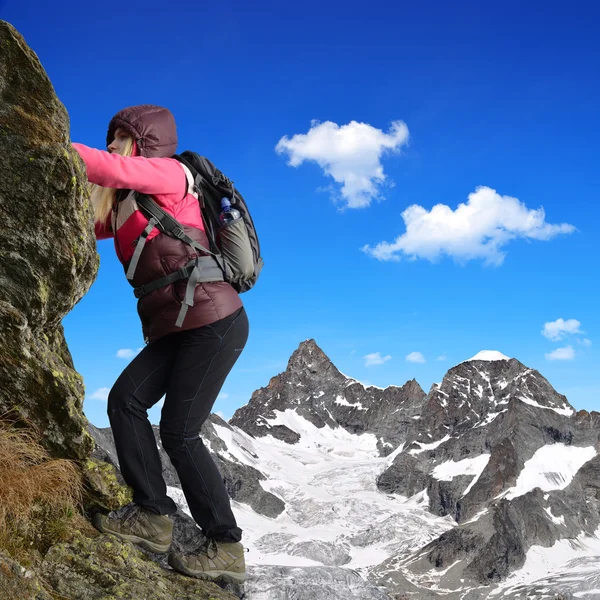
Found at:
(190, 367)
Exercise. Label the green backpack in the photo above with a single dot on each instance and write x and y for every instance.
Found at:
(234, 250)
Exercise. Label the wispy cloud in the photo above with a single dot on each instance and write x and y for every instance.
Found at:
(100, 394)
(375, 358)
(586, 342)
(350, 154)
(557, 330)
(442, 357)
(127, 353)
(566, 353)
(477, 229)
(415, 357)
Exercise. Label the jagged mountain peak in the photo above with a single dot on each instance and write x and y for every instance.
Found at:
(486, 387)
(309, 346)
(308, 356)
(484, 394)
(313, 388)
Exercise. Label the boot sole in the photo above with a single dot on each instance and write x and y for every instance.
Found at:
(134, 539)
(223, 576)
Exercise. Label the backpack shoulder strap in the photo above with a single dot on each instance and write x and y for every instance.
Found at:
(167, 224)
(141, 242)
(198, 179)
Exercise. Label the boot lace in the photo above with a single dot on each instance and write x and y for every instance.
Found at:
(208, 547)
(128, 514)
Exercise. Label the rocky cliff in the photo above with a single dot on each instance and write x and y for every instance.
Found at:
(48, 258)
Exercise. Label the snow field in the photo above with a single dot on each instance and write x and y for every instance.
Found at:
(446, 471)
(565, 559)
(334, 512)
(552, 467)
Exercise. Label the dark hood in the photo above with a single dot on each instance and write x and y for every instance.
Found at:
(152, 127)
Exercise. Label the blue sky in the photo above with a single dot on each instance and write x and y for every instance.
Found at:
(424, 178)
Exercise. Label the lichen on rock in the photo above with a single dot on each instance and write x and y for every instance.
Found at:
(105, 568)
(103, 488)
(18, 583)
(48, 257)
(48, 260)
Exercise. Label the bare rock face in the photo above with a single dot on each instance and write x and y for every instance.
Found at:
(498, 411)
(48, 258)
(481, 435)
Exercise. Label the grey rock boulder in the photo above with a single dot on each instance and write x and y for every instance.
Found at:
(48, 256)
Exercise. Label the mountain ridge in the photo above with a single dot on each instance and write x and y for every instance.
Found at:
(490, 416)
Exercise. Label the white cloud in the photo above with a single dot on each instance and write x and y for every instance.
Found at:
(128, 353)
(100, 394)
(477, 229)
(586, 342)
(375, 358)
(350, 154)
(415, 357)
(557, 330)
(442, 357)
(222, 396)
(220, 414)
(566, 353)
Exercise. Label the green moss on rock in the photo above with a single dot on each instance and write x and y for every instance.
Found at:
(43, 275)
(102, 487)
(104, 568)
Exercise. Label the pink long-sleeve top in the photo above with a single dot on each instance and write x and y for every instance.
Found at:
(162, 178)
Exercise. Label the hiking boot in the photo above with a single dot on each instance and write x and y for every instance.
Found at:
(135, 524)
(223, 561)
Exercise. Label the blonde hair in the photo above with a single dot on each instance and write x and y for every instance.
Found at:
(103, 198)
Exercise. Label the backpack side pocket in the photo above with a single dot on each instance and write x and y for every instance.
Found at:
(236, 249)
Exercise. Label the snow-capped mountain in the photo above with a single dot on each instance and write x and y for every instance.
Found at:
(487, 486)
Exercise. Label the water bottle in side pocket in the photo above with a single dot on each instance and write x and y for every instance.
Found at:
(228, 213)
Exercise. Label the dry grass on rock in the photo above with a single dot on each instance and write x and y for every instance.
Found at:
(40, 497)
